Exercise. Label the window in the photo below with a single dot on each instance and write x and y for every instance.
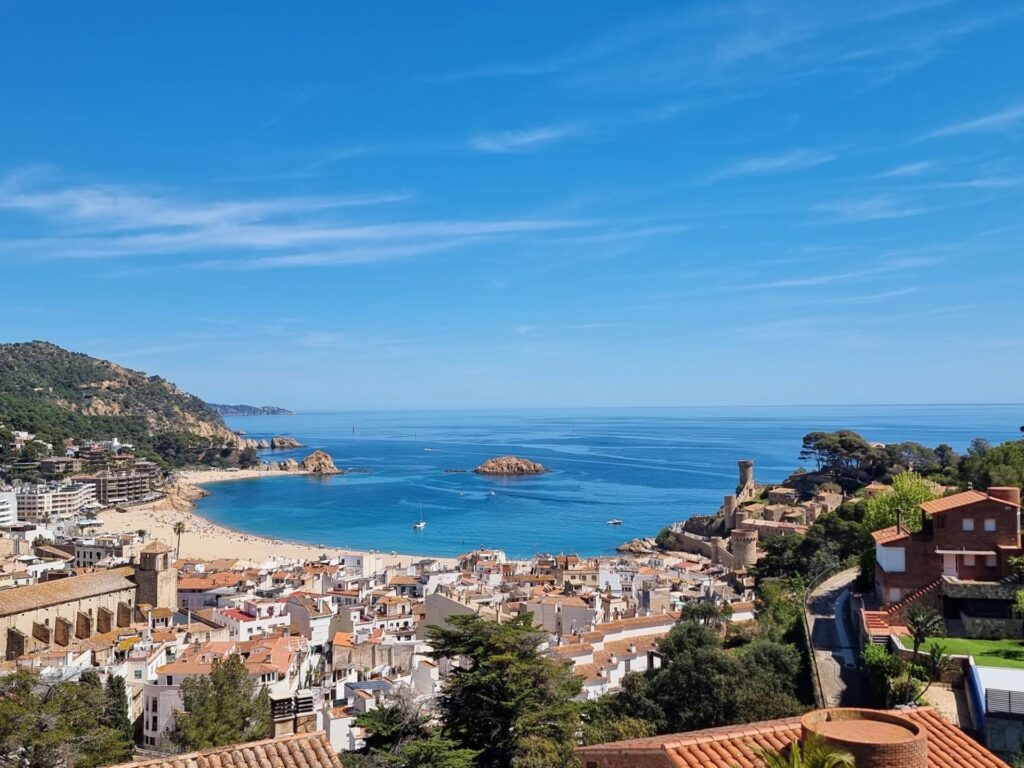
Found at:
(138, 674)
(968, 524)
(968, 559)
(990, 561)
(990, 524)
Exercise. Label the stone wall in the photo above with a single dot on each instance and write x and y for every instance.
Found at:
(981, 590)
(992, 628)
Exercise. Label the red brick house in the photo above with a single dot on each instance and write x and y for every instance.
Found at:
(969, 536)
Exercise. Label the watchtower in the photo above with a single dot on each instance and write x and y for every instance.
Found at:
(744, 548)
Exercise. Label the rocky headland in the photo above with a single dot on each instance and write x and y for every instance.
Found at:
(644, 546)
(510, 465)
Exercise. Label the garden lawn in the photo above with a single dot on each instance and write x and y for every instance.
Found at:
(986, 653)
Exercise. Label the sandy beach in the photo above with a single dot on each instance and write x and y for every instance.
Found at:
(205, 540)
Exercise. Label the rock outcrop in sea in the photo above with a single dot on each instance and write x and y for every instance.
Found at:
(263, 443)
(643, 546)
(288, 465)
(319, 463)
(510, 465)
(284, 441)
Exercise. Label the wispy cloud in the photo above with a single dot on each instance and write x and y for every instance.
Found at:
(874, 298)
(909, 169)
(106, 221)
(794, 160)
(870, 209)
(525, 140)
(987, 123)
(812, 281)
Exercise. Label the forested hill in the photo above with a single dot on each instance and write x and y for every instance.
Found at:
(250, 410)
(58, 394)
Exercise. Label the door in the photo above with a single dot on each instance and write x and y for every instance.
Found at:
(949, 565)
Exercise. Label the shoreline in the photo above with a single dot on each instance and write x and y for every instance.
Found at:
(205, 540)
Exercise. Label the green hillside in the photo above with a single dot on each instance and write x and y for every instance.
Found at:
(61, 395)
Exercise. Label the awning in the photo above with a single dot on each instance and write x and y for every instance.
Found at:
(963, 552)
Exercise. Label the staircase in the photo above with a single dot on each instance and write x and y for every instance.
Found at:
(896, 609)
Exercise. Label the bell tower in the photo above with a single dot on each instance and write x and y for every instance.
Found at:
(156, 578)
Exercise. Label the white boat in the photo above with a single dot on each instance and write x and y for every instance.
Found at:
(492, 493)
(615, 521)
(422, 523)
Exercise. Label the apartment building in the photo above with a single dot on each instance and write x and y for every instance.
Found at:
(37, 503)
(119, 486)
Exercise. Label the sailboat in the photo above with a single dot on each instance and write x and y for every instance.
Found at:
(422, 523)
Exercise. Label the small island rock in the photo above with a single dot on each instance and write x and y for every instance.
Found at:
(510, 465)
(283, 441)
(319, 463)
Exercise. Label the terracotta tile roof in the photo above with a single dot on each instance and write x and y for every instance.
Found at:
(210, 581)
(889, 535)
(568, 651)
(156, 548)
(733, 746)
(306, 750)
(962, 499)
(60, 554)
(20, 599)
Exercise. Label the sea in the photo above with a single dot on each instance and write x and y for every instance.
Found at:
(647, 467)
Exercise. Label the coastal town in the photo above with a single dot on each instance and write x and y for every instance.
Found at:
(512, 385)
(106, 569)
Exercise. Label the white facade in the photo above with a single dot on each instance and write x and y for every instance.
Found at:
(39, 502)
(8, 507)
(891, 559)
(254, 618)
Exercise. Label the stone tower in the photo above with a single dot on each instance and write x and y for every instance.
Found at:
(746, 472)
(157, 580)
(744, 548)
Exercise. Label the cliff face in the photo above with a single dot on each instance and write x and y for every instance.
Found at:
(47, 389)
(510, 465)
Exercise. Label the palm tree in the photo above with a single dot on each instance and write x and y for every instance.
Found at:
(813, 753)
(937, 662)
(924, 623)
(178, 528)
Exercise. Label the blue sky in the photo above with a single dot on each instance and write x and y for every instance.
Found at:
(473, 204)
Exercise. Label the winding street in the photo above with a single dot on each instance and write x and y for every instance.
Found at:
(834, 641)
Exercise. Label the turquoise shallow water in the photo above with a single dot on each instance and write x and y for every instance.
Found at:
(647, 467)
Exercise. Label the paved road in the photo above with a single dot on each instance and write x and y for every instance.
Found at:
(834, 641)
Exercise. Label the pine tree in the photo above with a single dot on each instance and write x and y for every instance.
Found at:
(225, 707)
(510, 704)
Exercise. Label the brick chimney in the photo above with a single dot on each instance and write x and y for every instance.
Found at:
(875, 739)
(292, 714)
